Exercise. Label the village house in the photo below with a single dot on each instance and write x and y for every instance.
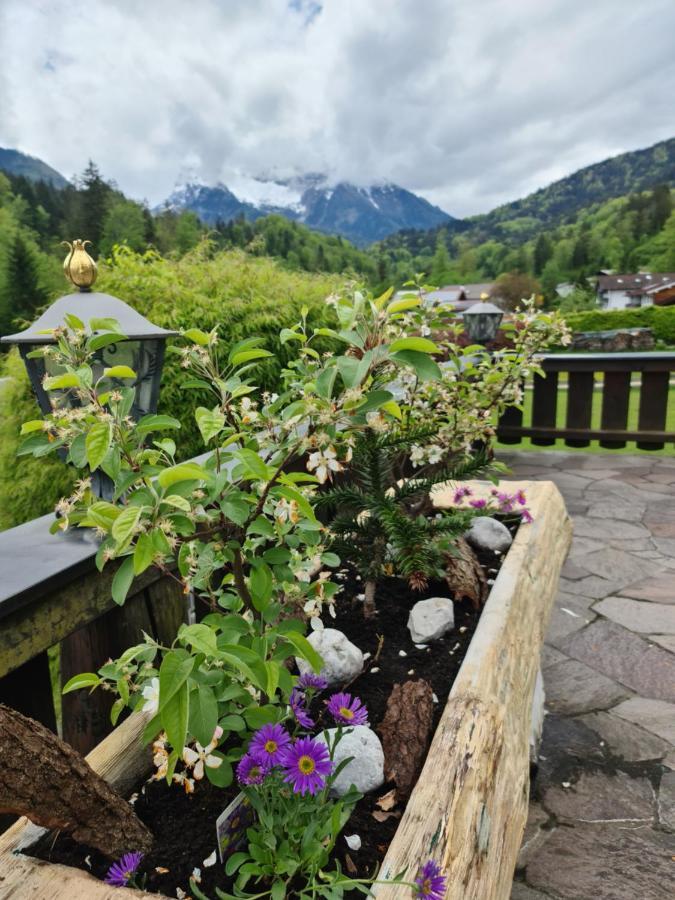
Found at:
(629, 291)
(459, 296)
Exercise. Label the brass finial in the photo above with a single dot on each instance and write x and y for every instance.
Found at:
(80, 269)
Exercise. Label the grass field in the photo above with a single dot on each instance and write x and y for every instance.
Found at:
(594, 446)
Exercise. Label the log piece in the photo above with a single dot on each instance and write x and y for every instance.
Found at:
(405, 732)
(44, 779)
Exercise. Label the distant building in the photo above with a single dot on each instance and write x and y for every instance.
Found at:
(630, 291)
(564, 289)
(459, 296)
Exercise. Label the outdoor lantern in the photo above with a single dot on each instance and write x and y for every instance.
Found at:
(143, 351)
(482, 321)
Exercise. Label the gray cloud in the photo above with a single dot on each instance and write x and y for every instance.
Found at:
(471, 104)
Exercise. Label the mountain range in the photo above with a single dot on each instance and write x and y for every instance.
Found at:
(361, 214)
(17, 163)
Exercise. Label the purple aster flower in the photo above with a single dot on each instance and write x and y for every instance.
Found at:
(310, 680)
(306, 765)
(526, 516)
(297, 704)
(478, 504)
(251, 770)
(520, 497)
(347, 710)
(461, 493)
(268, 743)
(430, 883)
(121, 872)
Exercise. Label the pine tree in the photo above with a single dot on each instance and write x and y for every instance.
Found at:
(440, 263)
(23, 284)
(542, 253)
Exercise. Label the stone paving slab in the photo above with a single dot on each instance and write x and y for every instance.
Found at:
(606, 770)
(572, 687)
(625, 657)
(640, 616)
(658, 589)
(626, 740)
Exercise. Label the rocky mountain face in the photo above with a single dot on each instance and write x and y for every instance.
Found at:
(360, 214)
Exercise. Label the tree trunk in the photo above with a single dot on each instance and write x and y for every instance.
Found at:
(41, 777)
(405, 732)
(369, 608)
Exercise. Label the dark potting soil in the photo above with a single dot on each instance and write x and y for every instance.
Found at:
(184, 825)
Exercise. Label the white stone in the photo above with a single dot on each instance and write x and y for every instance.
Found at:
(366, 769)
(342, 660)
(489, 534)
(431, 619)
(353, 841)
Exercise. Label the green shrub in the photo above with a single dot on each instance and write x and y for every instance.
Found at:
(28, 487)
(241, 294)
(661, 319)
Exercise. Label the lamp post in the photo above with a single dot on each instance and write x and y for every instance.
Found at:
(482, 321)
(142, 351)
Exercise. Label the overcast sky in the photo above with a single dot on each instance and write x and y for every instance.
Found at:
(470, 103)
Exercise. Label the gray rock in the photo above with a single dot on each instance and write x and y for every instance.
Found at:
(431, 619)
(342, 660)
(366, 769)
(624, 739)
(667, 641)
(489, 534)
(658, 589)
(573, 687)
(617, 566)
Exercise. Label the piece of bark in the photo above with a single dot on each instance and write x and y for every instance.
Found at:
(44, 779)
(405, 732)
(464, 575)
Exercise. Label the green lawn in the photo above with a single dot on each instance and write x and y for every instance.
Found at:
(594, 446)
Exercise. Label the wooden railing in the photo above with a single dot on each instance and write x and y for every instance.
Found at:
(57, 619)
(613, 398)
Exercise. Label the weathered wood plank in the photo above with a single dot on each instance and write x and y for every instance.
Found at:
(469, 807)
(31, 629)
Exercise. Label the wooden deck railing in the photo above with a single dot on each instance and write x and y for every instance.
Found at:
(613, 398)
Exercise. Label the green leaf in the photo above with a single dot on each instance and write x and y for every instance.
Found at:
(236, 510)
(156, 423)
(144, 553)
(122, 581)
(260, 584)
(103, 514)
(326, 381)
(119, 372)
(235, 861)
(83, 680)
(177, 502)
(104, 324)
(330, 559)
(253, 463)
(97, 443)
(186, 471)
(273, 669)
(424, 366)
(201, 637)
(203, 714)
(418, 344)
(209, 421)
(244, 356)
(305, 649)
(405, 303)
(222, 775)
(104, 340)
(349, 368)
(197, 336)
(287, 334)
(78, 451)
(58, 382)
(124, 525)
(73, 322)
(374, 400)
(173, 674)
(174, 716)
(291, 493)
(33, 425)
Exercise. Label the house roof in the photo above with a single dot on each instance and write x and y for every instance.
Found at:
(634, 282)
(471, 292)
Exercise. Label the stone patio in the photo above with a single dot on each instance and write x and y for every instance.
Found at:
(602, 812)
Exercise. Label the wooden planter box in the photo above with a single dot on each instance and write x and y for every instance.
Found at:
(469, 807)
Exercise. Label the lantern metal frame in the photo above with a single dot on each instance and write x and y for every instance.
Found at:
(481, 322)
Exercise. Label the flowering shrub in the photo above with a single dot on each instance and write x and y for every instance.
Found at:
(374, 427)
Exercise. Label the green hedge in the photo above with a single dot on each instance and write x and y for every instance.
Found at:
(241, 294)
(661, 319)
